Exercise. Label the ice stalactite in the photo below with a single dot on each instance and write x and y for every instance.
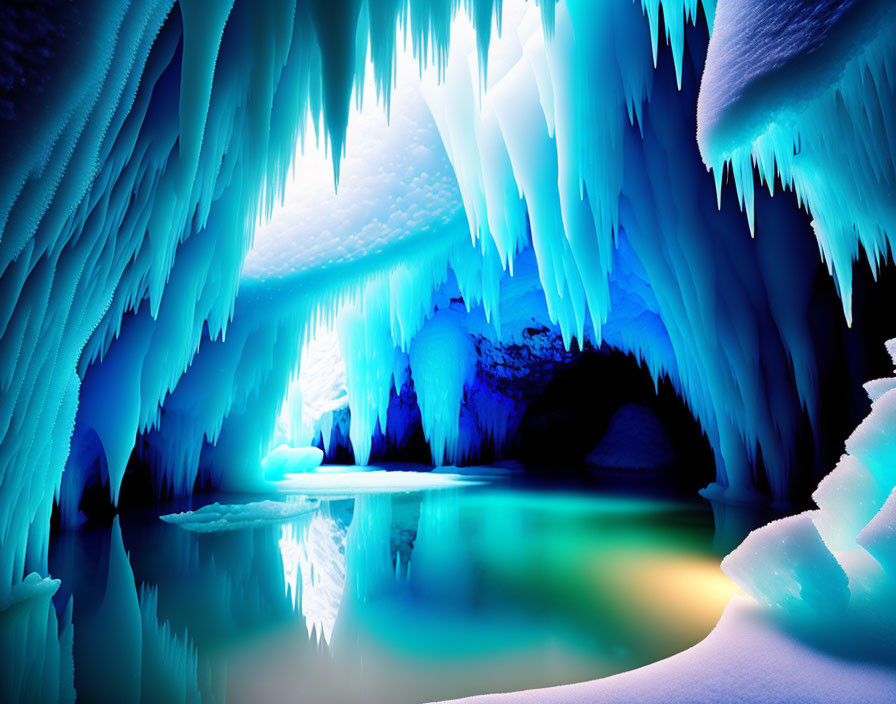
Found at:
(532, 179)
(587, 190)
(811, 104)
(151, 124)
(803, 93)
(128, 210)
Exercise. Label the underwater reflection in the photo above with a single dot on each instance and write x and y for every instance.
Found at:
(384, 597)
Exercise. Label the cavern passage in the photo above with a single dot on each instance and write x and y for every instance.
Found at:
(420, 324)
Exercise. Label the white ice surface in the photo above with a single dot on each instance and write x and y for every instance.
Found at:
(219, 517)
(367, 482)
(396, 183)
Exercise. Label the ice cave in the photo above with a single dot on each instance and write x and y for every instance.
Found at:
(405, 351)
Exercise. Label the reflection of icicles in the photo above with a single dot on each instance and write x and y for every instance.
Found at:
(368, 555)
(109, 642)
(368, 568)
(35, 648)
(314, 570)
(170, 663)
(440, 567)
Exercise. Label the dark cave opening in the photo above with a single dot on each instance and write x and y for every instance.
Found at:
(563, 424)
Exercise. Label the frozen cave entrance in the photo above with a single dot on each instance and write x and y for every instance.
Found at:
(439, 432)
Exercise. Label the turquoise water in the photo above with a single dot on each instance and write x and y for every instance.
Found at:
(392, 598)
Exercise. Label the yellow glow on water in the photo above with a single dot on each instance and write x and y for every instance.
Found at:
(676, 595)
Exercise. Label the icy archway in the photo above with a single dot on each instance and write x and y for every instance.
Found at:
(553, 178)
(620, 223)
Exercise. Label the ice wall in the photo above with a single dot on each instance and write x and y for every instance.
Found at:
(620, 223)
(803, 93)
(625, 233)
(145, 144)
(831, 571)
(130, 196)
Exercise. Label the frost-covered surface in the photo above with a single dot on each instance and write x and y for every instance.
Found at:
(373, 481)
(217, 517)
(745, 660)
(396, 184)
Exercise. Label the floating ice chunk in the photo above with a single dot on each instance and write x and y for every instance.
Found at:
(785, 564)
(219, 517)
(848, 498)
(879, 536)
(377, 481)
(283, 459)
(32, 586)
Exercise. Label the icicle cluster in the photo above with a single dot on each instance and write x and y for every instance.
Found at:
(812, 105)
(131, 183)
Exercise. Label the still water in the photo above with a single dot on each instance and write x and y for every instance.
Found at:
(390, 597)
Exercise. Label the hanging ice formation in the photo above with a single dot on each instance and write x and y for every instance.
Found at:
(810, 104)
(814, 108)
(556, 183)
